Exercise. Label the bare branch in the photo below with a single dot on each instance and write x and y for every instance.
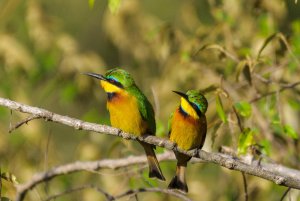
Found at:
(25, 121)
(144, 190)
(245, 186)
(289, 179)
(283, 87)
(84, 166)
(108, 196)
(127, 193)
(285, 193)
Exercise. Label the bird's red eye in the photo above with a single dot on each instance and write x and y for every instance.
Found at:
(115, 82)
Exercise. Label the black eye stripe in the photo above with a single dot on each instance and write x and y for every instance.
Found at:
(115, 82)
(196, 108)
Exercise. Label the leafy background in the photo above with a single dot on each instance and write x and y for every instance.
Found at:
(235, 51)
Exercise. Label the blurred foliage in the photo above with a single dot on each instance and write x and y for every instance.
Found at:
(235, 51)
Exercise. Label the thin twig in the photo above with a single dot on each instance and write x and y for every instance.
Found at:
(245, 186)
(144, 190)
(285, 193)
(47, 149)
(238, 119)
(89, 186)
(284, 87)
(46, 187)
(25, 121)
(219, 48)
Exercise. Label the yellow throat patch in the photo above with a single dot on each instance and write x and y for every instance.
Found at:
(108, 87)
(185, 105)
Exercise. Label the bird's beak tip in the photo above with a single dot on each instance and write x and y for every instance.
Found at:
(94, 75)
(183, 95)
(179, 93)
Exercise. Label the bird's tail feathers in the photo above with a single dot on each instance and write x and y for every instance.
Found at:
(178, 181)
(154, 169)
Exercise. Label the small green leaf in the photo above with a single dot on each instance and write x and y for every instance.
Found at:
(290, 131)
(91, 3)
(9, 177)
(245, 140)
(243, 108)
(114, 5)
(266, 42)
(220, 109)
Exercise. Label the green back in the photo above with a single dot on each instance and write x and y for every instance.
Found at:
(145, 108)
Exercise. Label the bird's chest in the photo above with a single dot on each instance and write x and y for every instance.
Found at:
(124, 114)
(187, 132)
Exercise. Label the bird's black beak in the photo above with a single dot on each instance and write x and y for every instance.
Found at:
(95, 75)
(183, 95)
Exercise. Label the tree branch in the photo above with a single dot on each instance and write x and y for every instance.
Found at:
(84, 166)
(143, 190)
(245, 186)
(289, 179)
(25, 121)
(109, 197)
(285, 193)
(283, 88)
(90, 186)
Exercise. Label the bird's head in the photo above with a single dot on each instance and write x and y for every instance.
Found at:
(193, 103)
(114, 80)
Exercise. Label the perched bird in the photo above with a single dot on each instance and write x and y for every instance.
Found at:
(187, 128)
(130, 111)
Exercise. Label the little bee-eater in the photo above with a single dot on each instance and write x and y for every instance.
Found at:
(187, 128)
(130, 111)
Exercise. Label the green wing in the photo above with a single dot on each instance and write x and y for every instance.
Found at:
(170, 123)
(145, 108)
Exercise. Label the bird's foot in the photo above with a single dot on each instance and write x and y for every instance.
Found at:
(174, 146)
(195, 152)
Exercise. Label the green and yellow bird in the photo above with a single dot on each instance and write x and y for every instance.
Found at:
(187, 128)
(130, 111)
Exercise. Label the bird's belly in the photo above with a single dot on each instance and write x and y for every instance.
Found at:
(124, 114)
(187, 134)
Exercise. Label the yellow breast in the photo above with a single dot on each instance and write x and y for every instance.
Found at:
(124, 114)
(188, 132)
